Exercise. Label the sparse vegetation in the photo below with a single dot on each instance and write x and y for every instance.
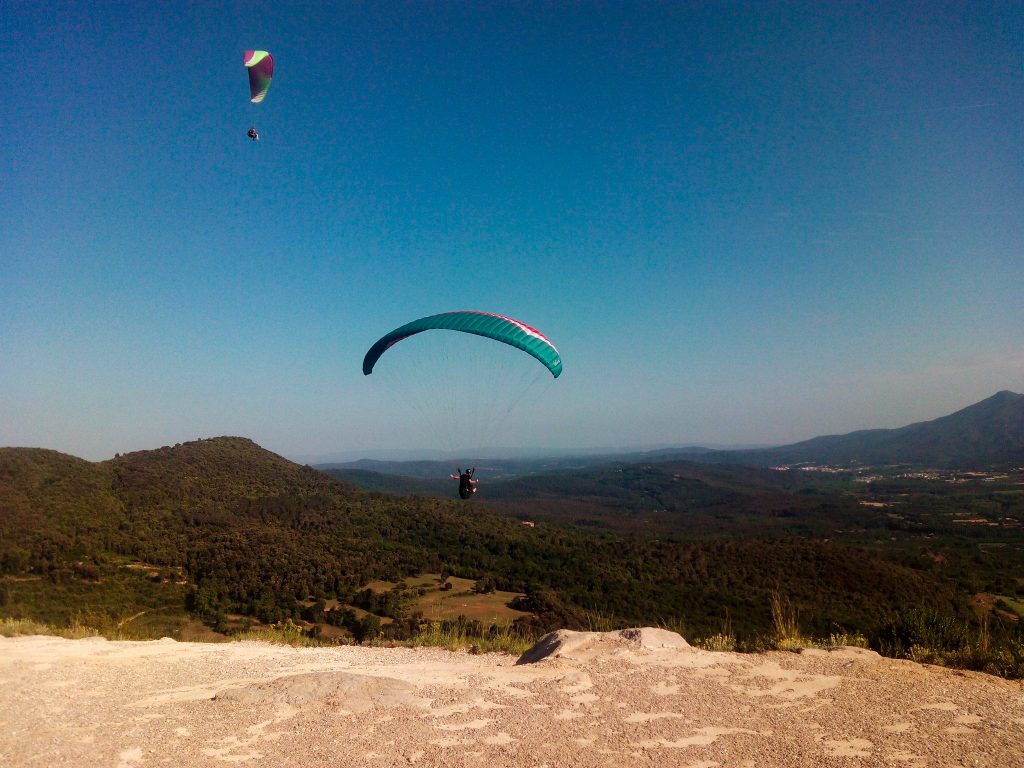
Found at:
(15, 627)
(846, 639)
(787, 636)
(457, 636)
(285, 632)
(929, 637)
(717, 642)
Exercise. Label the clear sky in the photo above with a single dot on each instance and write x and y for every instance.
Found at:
(741, 223)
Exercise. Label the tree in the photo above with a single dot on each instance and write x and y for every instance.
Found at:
(366, 628)
(484, 586)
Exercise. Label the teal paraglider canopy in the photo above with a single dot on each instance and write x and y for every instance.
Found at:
(498, 327)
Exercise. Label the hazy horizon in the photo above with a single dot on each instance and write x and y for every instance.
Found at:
(740, 224)
(400, 454)
(495, 452)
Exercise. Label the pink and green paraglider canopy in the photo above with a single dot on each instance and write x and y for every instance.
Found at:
(261, 69)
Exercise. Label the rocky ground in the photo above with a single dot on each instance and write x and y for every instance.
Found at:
(639, 697)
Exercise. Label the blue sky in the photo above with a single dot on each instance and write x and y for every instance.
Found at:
(741, 223)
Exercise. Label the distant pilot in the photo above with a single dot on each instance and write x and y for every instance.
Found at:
(467, 485)
(251, 133)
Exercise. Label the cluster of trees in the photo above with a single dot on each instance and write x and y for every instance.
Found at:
(393, 603)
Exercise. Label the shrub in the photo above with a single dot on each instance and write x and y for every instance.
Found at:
(919, 634)
(718, 642)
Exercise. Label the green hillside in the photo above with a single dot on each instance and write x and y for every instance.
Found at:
(227, 528)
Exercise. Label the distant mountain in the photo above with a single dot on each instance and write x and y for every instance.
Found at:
(358, 472)
(505, 454)
(432, 470)
(438, 486)
(989, 433)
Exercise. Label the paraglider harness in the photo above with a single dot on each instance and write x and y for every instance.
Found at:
(251, 133)
(467, 485)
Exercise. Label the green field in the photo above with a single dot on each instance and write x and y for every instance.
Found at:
(460, 600)
(1015, 604)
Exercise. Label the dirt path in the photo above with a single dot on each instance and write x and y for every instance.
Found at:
(603, 702)
(122, 622)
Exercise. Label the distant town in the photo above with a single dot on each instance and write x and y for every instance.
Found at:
(870, 474)
(991, 500)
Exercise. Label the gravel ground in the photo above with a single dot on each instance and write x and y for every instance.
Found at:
(587, 699)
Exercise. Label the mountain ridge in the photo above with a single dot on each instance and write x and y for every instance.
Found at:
(987, 433)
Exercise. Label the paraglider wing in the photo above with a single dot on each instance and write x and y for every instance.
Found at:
(497, 327)
(261, 69)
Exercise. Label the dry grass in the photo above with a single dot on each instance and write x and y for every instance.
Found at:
(787, 626)
(285, 632)
(501, 640)
(718, 642)
(838, 639)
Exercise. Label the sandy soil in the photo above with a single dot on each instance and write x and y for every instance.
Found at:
(587, 700)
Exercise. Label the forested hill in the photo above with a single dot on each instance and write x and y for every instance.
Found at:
(49, 501)
(219, 469)
(251, 533)
(988, 433)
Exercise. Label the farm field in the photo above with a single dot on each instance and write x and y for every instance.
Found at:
(460, 600)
